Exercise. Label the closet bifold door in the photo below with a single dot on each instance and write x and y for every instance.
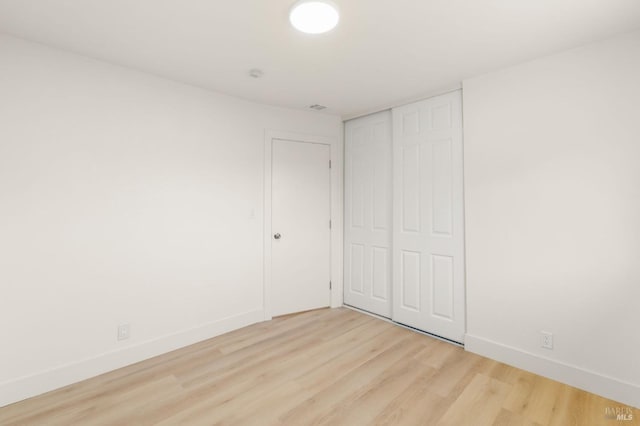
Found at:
(428, 236)
(367, 251)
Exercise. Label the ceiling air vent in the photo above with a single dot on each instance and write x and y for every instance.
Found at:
(317, 107)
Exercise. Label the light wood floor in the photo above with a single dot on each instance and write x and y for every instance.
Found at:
(331, 366)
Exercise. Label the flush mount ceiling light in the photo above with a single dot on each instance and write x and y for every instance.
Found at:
(314, 16)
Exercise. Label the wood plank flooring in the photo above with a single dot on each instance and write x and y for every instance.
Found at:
(325, 367)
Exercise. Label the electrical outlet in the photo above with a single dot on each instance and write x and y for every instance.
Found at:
(547, 340)
(124, 331)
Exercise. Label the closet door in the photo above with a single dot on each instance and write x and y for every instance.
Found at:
(368, 213)
(428, 242)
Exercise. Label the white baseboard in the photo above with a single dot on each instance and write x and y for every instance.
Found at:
(25, 387)
(599, 384)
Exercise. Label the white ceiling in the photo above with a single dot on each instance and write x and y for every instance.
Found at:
(383, 51)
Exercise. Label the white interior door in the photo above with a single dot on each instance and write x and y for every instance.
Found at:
(300, 224)
(368, 211)
(428, 241)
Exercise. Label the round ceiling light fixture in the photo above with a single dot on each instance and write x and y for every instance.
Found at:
(314, 16)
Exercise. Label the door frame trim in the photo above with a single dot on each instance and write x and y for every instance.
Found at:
(336, 233)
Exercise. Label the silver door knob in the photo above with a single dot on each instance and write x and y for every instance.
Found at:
(277, 236)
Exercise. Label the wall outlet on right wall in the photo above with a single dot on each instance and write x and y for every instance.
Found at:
(547, 340)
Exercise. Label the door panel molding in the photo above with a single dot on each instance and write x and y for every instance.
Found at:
(428, 216)
(368, 222)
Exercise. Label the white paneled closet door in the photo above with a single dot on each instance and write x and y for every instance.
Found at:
(428, 238)
(368, 209)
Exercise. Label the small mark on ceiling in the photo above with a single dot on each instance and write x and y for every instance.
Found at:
(256, 73)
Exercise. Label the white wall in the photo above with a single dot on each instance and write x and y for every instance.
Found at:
(552, 163)
(125, 198)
